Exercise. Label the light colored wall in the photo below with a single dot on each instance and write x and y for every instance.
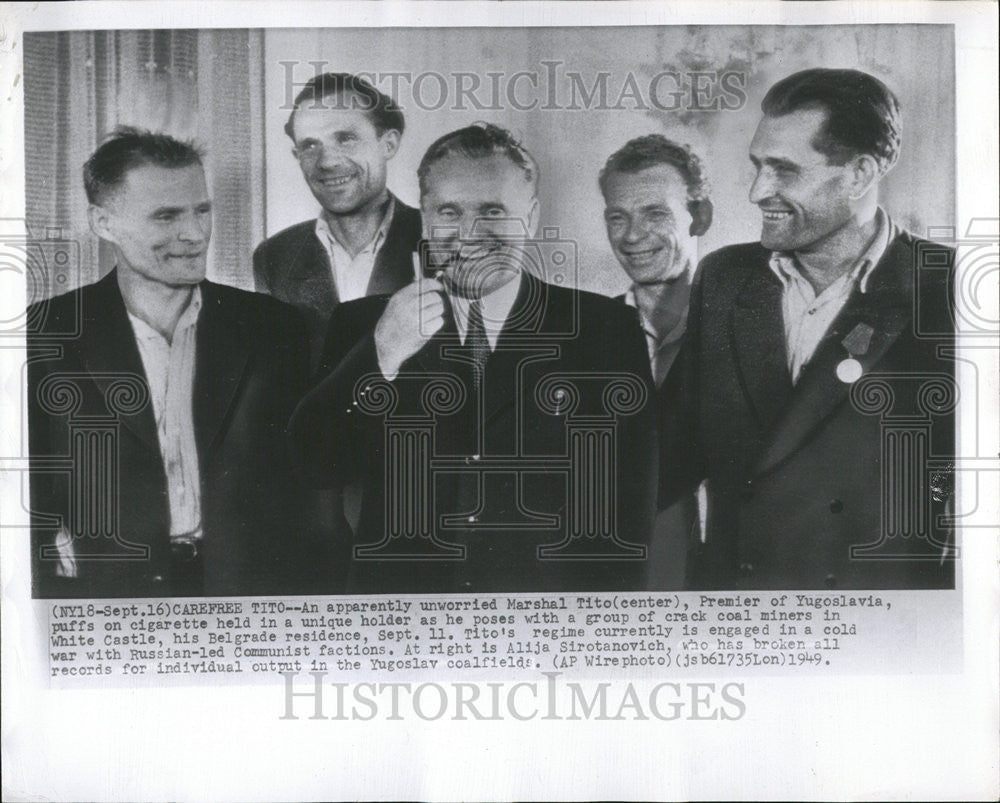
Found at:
(916, 61)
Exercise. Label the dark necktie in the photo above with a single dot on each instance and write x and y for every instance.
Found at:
(476, 342)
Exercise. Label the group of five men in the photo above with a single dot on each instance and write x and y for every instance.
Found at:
(479, 423)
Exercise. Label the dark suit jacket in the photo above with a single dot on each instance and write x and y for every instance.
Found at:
(675, 530)
(250, 371)
(294, 266)
(798, 476)
(504, 516)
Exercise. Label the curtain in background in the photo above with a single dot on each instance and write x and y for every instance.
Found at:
(202, 85)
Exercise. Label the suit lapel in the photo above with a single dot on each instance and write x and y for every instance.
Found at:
(886, 309)
(311, 275)
(222, 352)
(500, 381)
(431, 358)
(527, 316)
(110, 350)
(758, 341)
(393, 267)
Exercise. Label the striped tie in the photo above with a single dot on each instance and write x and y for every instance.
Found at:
(476, 342)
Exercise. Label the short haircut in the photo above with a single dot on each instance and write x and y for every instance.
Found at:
(642, 153)
(127, 148)
(479, 141)
(382, 110)
(862, 113)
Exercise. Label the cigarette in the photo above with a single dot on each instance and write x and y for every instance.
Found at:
(418, 270)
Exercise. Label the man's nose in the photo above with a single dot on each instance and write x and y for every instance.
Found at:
(762, 187)
(635, 231)
(496, 228)
(330, 156)
(195, 228)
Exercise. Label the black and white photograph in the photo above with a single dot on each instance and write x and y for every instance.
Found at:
(599, 367)
(595, 325)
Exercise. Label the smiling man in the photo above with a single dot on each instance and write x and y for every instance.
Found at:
(656, 206)
(470, 403)
(345, 132)
(803, 348)
(168, 395)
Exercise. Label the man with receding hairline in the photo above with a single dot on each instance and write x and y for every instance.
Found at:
(169, 394)
(768, 402)
(344, 133)
(656, 206)
(452, 400)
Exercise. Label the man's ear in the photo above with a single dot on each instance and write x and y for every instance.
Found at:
(390, 142)
(701, 216)
(864, 175)
(98, 218)
(534, 217)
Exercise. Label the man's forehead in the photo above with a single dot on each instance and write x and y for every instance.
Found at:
(153, 185)
(792, 132)
(457, 173)
(332, 112)
(656, 182)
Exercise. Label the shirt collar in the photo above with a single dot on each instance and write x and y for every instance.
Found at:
(785, 266)
(672, 336)
(496, 307)
(143, 331)
(325, 233)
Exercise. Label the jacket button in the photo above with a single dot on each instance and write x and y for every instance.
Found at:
(836, 505)
(157, 578)
(831, 581)
(748, 491)
(746, 569)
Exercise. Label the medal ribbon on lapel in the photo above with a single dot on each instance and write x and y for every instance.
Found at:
(856, 343)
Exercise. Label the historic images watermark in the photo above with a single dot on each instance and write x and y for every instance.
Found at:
(548, 699)
(550, 87)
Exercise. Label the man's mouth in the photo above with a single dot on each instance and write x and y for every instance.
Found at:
(337, 181)
(645, 255)
(477, 251)
(775, 215)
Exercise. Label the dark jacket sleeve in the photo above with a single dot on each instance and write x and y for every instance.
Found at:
(48, 505)
(47, 439)
(329, 432)
(260, 269)
(681, 466)
(638, 455)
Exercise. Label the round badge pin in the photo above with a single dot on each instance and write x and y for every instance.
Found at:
(849, 371)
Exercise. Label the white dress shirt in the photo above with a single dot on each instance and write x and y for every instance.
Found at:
(169, 370)
(807, 316)
(351, 275)
(662, 350)
(496, 307)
